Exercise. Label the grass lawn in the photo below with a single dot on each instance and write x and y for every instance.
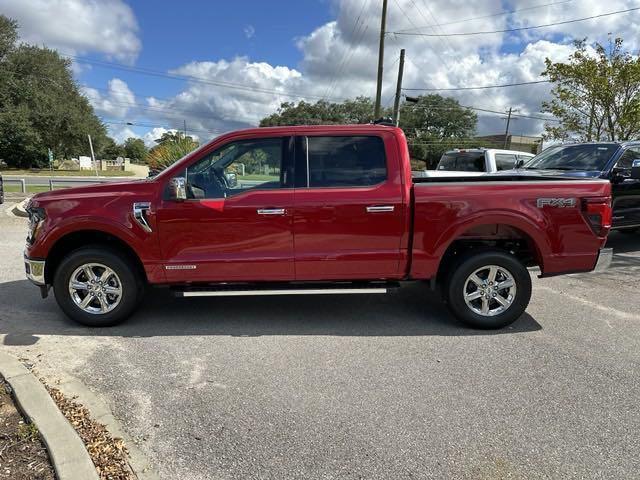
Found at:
(68, 173)
(256, 176)
(30, 188)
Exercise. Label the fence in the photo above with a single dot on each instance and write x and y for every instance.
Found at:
(52, 181)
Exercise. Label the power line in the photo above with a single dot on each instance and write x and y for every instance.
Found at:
(498, 14)
(484, 110)
(452, 89)
(349, 52)
(518, 29)
(189, 78)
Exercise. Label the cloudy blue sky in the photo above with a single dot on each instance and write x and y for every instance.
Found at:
(220, 65)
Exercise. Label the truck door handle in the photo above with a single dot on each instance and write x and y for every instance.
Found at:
(271, 211)
(380, 208)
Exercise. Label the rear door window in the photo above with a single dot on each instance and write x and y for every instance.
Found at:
(462, 162)
(345, 161)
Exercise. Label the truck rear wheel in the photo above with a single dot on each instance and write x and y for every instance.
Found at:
(97, 287)
(488, 289)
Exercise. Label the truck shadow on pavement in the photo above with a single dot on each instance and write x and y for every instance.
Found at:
(411, 311)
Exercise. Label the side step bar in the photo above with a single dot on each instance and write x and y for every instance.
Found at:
(294, 289)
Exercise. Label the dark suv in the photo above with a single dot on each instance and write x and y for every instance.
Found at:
(618, 162)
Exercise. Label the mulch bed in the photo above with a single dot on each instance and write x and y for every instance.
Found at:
(22, 454)
(108, 454)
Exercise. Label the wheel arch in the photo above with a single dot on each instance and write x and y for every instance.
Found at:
(515, 238)
(90, 237)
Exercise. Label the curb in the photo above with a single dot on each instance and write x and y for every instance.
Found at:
(18, 210)
(100, 412)
(67, 451)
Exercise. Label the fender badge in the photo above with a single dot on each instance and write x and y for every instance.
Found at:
(557, 202)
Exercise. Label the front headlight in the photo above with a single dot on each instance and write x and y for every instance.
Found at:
(36, 217)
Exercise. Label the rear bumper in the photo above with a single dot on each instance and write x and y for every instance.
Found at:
(604, 259)
(35, 270)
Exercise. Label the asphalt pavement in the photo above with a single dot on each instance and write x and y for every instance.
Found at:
(353, 387)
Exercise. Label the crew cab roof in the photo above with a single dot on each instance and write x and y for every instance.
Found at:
(293, 129)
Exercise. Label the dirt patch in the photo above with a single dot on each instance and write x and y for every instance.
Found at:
(108, 454)
(22, 454)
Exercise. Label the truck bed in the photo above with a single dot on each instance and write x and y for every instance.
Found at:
(502, 207)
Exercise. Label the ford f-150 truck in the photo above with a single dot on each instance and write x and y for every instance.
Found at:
(313, 210)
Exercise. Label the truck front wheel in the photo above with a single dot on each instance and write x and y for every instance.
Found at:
(97, 287)
(488, 289)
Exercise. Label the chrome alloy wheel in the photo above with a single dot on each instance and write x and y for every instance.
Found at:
(95, 288)
(490, 290)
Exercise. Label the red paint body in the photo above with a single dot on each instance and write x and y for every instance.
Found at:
(326, 233)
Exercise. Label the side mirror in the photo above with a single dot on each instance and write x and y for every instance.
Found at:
(635, 170)
(178, 189)
(519, 163)
(232, 180)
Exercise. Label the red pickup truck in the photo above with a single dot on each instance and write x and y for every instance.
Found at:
(313, 210)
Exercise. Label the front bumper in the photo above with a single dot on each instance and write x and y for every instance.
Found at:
(604, 259)
(35, 270)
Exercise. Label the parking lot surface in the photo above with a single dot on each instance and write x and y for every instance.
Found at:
(374, 387)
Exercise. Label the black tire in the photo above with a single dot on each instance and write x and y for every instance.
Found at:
(130, 282)
(456, 283)
(629, 231)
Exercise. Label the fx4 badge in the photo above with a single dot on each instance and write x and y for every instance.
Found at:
(557, 202)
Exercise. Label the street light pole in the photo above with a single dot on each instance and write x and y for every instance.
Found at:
(383, 26)
(93, 156)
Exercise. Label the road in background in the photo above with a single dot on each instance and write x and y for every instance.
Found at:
(44, 179)
(372, 387)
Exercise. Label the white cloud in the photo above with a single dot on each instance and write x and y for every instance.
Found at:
(152, 135)
(116, 101)
(78, 26)
(121, 132)
(339, 60)
(249, 31)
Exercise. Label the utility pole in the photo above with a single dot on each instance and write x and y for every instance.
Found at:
(185, 127)
(506, 133)
(383, 26)
(93, 156)
(396, 104)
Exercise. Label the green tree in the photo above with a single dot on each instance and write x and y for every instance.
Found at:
(111, 150)
(596, 94)
(432, 125)
(36, 85)
(135, 149)
(358, 110)
(171, 146)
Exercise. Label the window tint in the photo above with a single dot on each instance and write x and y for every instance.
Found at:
(346, 161)
(238, 167)
(629, 155)
(462, 162)
(590, 157)
(505, 161)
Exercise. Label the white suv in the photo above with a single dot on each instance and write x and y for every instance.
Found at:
(476, 161)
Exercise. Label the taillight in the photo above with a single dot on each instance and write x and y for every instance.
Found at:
(597, 211)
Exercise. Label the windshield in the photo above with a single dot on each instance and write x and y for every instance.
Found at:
(586, 157)
(462, 162)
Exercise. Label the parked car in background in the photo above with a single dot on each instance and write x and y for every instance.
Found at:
(476, 161)
(328, 210)
(1, 190)
(613, 161)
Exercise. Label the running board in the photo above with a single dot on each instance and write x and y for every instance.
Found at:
(295, 289)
